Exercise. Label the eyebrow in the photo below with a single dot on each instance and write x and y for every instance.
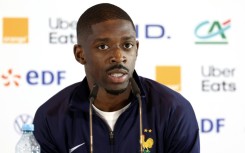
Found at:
(128, 38)
(101, 39)
(108, 39)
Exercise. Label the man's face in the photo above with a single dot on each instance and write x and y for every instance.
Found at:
(110, 53)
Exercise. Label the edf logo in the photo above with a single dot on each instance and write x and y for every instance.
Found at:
(209, 125)
(32, 77)
(44, 77)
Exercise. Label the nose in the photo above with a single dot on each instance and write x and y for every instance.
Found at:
(117, 56)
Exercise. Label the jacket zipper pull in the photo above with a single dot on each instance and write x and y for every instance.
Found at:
(111, 135)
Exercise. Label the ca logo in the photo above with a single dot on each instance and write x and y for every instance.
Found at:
(212, 33)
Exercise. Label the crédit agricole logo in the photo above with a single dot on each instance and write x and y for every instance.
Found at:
(212, 32)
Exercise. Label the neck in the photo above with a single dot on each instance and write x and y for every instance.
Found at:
(107, 102)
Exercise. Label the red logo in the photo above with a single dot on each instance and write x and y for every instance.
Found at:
(11, 78)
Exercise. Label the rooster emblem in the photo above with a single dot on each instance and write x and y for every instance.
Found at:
(147, 144)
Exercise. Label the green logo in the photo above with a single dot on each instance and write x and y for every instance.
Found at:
(212, 33)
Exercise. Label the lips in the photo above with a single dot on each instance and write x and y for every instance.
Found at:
(118, 75)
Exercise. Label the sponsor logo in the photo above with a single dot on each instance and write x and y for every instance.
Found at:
(212, 32)
(169, 76)
(76, 147)
(217, 79)
(15, 30)
(151, 31)
(63, 31)
(20, 120)
(208, 125)
(10, 78)
(32, 77)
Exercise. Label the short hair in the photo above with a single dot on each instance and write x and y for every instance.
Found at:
(99, 13)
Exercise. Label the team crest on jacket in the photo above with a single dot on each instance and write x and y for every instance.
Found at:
(147, 141)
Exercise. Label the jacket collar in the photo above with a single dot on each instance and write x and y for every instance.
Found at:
(79, 100)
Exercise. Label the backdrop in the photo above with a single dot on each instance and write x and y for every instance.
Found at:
(196, 47)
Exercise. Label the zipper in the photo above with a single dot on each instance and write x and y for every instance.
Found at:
(111, 133)
(111, 136)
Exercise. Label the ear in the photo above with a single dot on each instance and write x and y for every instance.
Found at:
(79, 54)
(137, 45)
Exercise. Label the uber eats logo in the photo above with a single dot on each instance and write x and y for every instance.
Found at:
(62, 31)
(169, 76)
(15, 30)
(218, 79)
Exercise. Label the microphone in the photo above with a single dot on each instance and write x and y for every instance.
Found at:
(92, 97)
(94, 92)
(135, 88)
(136, 92)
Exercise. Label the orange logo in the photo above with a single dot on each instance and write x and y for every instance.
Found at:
(10, 77)
(169, 76)
(15, 30)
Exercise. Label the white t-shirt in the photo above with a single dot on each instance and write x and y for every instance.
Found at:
(110, 117)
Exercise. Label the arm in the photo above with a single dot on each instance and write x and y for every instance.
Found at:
(183, 132)
(42, 133)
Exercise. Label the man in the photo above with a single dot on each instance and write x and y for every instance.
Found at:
(102, 114)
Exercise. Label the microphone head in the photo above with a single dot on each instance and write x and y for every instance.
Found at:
(94, 91)
(135, 88)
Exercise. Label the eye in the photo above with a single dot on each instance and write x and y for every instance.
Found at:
(103, 47)
(128, 45)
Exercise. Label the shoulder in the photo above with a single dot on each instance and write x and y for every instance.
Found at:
(59, 100)
(164, 100)
(161, 92)
(168, 104)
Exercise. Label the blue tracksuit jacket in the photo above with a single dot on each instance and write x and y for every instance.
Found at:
(169, 123)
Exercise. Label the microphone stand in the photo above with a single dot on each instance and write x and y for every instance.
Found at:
(92, 97)
(141, 123)
(136, 92)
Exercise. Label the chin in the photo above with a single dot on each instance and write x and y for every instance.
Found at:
(115, 92)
